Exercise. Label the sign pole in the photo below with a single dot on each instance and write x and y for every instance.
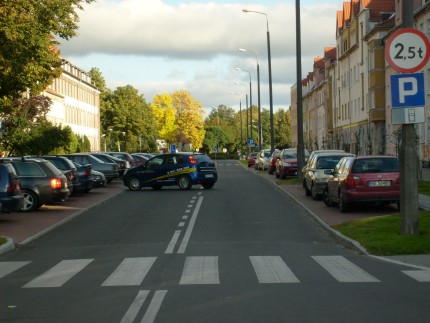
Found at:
(408, 161)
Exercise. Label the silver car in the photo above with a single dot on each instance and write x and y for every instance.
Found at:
(315, 180)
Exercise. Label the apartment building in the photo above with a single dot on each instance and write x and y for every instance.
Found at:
(356, 100)
(76, 103)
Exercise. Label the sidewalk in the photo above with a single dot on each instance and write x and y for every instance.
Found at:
(329, 217)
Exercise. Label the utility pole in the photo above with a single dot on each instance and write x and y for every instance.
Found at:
(408, 158)
(300, 143)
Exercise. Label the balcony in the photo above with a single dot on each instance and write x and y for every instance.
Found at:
(377, 115)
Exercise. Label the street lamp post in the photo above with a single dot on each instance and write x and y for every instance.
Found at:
(260, 134)
(272, 132)
(246, 106)
(250, 97)
(240, 113)
(110, 139)
(123, 135)
(104, 137)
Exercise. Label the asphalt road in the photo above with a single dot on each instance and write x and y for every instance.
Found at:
(241, 252)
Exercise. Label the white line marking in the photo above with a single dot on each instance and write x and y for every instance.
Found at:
(8, 267)
(59, 274)
(200, 270)
(422, 276)
(190, 227)
(190, 206)
(343, 270)
(173, 242)
(130, 272)
(187, 211)
(272, 269)
(181, 224)
(154, 306)
(185, 217)
(134, 308)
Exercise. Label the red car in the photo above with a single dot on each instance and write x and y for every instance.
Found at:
(286, 165)
(251, 159)
(368, 179)
(273, 159)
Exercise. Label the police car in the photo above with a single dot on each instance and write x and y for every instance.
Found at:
(182, 169)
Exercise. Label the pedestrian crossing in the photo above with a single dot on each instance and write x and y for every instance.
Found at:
(201, 270)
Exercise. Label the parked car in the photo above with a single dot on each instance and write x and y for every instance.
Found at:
(272, 160)
(69, 170)
(99, 179)
(182, 169)
(251, 158)
(110, 170)
(315, 178)
(262, 160)
(41, 182)
(286, 165)
(85, 177)
(369, 179)
(124, 156)
(139, 159)
(11, 197)
(122, 164)
(319, 151)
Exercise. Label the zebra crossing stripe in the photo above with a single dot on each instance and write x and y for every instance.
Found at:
(154, 306)
(422, 276)
(59, 274)
(130, 272)
(343, 270)
(200, 270)
(9, 267)
(134, 308)
(272, 269)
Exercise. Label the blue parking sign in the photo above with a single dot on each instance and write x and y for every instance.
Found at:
(407, 90)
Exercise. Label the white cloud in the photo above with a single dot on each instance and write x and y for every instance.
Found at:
(160, 47)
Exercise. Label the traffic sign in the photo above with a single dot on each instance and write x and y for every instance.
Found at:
(407, 50)
(407, 90)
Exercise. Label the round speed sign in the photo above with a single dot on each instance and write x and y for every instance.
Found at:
(407, 50)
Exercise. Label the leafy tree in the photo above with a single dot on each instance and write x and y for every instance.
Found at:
(225, 119)
(132, 122)
(282, 125)
(189, 120)
(165, 116)
(29, 60)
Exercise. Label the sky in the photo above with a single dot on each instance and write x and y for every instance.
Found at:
(163, 46)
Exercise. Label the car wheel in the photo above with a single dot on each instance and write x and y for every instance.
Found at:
(157, 187)
(326, 198)
(277, 174)
(398, 206)
(343, 206)
(31, 202)
(184, 182)
(307, 191)
(208, 185)
(134, 184)
(314, 194)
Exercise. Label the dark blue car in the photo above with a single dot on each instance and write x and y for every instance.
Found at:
(182, 169)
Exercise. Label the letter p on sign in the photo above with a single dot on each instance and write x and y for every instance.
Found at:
(407, 90)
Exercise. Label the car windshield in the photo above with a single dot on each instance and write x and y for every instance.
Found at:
(328, 162)
(376, 165)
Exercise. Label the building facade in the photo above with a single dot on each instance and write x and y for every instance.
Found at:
(76, 103)
(352, 101)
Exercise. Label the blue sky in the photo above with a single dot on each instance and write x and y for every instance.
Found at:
(162, 46)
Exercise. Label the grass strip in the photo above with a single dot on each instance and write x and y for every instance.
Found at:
(381, 235)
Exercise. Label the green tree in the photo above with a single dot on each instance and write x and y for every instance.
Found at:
(189, 120)
(29, 33)
(282, 125)
(132, 122)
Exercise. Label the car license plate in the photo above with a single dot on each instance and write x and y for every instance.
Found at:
(209, 175)
(379, 183)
